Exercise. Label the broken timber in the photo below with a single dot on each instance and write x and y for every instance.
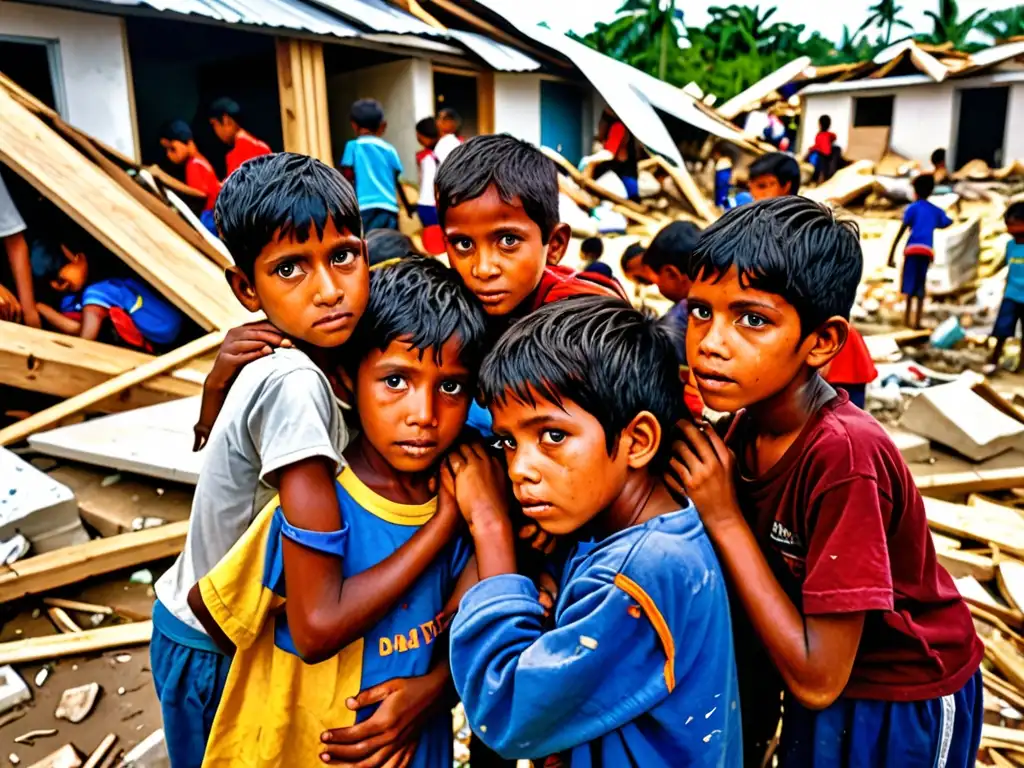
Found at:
(57, 646)
(56, 364)
(42, 573)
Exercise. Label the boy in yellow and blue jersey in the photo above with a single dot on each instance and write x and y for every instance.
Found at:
(638, 668)
(292, 595)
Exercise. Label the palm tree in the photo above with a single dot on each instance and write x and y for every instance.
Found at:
(1002, 25)
(885, 15)
(948, 27)
(644, 30)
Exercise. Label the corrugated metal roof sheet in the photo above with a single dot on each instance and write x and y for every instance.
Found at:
(503, 58)
(380, 17)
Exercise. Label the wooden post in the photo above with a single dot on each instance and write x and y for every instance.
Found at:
(302, 85)
(485, 102)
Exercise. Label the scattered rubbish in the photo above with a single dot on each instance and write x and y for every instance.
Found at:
(131, 715)
(65, 757)
(13, 759)
(75, 605)
(13, 689)
(148, 753)
(42, 675)
(36, 613)
(143, 523)
(101, 751)
(110, 480)
(123, 658)
(39, 511)
(30, 737)
(64, 623)
(948, 334)
(145, 576)
(121, 691)
(12, 717)
(13, 549)
(77, 703)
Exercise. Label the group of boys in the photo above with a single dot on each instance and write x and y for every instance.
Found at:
(355, 553)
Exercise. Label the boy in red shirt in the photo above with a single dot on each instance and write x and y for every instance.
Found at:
(225, 118)
(824, 145)
(813, 511)
(180, 146)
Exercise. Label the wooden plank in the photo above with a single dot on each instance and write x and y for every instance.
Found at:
(961, 563)
(65, 757)
(485, 102)
(115, 218)
(61, 567)
(1007, 659)
(999, 526)
(302, 91)
(1010, 577)
(949, 484)
(101, 751)
(975, 594)
(155, 367)
(1003, 689)
(75, 605)
(999, 733)
(90, 641)
(62, 621)
(941, 543)
(689, 189)
(65, 366)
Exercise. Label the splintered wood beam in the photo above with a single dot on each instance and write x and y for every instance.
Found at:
(65, 366)
(89, 641)
(156, 366)
(42, 573)
(302, 87)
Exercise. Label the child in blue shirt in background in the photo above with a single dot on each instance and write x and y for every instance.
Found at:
(1011, 311)
(373, 167)
(638, 669)
(922, 218)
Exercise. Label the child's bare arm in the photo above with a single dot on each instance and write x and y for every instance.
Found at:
(895, 243)
(814, 654)
(326, 612)
(60, 321)
(400, 189)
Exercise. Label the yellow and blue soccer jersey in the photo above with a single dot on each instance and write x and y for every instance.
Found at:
(275, 706)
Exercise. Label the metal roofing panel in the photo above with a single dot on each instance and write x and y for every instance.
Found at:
(503, 58)
(997, 54)
(380, 17)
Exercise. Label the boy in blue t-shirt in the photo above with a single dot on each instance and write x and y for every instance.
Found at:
(1011, 311)
(922, 218)
(638, 668)
(373, 166)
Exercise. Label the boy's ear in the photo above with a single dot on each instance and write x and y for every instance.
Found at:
(828, 340)
(787, 188)
(558, 243)
(243, 289)
(641, 439)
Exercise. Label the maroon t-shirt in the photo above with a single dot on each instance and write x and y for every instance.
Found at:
(843, 527)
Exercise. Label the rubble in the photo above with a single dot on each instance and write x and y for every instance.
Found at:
(76, 703)
(13, 689)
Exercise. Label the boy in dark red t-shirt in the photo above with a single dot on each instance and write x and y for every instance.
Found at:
(814, 513)
(178, 142)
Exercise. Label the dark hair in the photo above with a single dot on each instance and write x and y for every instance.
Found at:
(673, 246)
(225, 106)
(387, 245)
(427, 127)
(924, 185)
(939, 157)
(422, 300)
(1015, 212)
(281, 195)
(515, 168)
(176, 130)
(783, 167)
(451, 114)
(824, 122)
(789, 246)
(592, 245)
(602, 354)
(631, 252)
(367, 114)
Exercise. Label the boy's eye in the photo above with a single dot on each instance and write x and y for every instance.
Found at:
(750, 320)
(343, 258)
(462, 244)
(395, 382)
(552, 436)
(504, 444)
(287, 269)
(451, 387)
(509, 241)
(700, 313)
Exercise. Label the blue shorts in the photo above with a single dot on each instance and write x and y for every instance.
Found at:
(189, 683)
(206, 217)
(858, 733)
(378, 218)
(915, 274)
(427, 214)
(1010, 313)
(632, 186)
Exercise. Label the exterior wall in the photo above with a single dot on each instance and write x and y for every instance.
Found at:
(406, 90)
(838, 106)
(517, 105)
(94, 67)
(1015, 125)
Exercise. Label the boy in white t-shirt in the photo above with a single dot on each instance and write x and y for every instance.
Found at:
(426, 208)
(449, 123)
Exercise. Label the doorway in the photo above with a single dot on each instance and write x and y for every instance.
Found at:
(561, 119)
(981, 130)
(458, 91)
(34, 64)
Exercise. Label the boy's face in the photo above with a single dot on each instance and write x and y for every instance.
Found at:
(177, 151)
(672, 283)
(745, 346)
(314, 292)
(225, 128)
(1016, 229)
(768, 186)
(558, 461)
(412, 408)
(445, 125)
(638, 272)
(425, 141)
(72, 276)
(497, 250)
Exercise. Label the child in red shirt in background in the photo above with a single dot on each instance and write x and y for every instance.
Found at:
(225, 118)
(177, 140)
(815, 515)
(824, 145)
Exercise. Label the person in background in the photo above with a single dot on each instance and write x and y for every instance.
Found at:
(19, 305)
(427, 135)
(373, 166)
(449, 123)
(633, 267)
(939, 170)
(622, 145)
(138, 316)
(591, 251)
(178, 142)
(774, 175)
(922, 218)
(226, 120)
(386, 246)
(821, 153)
(1011, 311)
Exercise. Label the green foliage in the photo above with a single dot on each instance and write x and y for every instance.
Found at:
(743, 43)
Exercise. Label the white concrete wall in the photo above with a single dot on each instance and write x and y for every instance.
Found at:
(405, 89)
(94, 68)
(838, 106)
(1015, 125)
(924, 118)
(517, 105)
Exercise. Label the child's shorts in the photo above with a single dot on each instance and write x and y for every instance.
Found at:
(859, 733)
(915, 274)
(1010, 313)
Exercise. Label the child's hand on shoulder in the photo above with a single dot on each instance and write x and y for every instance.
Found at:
(702, 468)
(478, 483)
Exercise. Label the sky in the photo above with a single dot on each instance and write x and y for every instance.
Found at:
(826, 16)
